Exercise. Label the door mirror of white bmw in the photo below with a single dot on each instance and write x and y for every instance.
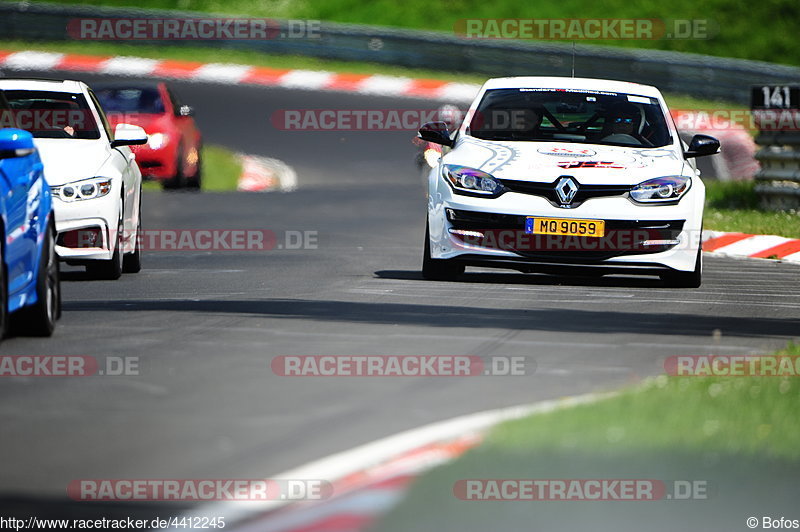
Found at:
(128, 135)
(701, 145)
(15, 143)
(436, 132)
(186, 110)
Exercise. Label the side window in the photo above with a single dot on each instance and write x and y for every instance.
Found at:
(102, 114)
(176, 103)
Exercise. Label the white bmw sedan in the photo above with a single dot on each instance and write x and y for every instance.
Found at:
(91, 171)
(566, 175)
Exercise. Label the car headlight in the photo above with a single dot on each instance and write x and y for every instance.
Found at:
(84, 189)
(157, 140)
(661, 189)
(469, 180)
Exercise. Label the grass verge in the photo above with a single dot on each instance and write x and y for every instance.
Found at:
(737, 435)
(733, 206)
(221, 170)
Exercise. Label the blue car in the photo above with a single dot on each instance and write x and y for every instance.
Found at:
(30, 290)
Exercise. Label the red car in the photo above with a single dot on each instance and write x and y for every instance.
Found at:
(172, 154)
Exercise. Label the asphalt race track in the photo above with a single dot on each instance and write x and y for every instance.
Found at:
(206, 324)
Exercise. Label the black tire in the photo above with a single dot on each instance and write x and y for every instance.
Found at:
(109, 269)
(132, 262)
(438, 269)
(195, 182)
(178, 180)
(40, 318)
(691, 279)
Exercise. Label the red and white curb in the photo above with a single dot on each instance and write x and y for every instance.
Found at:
(362, 497)
(371, 479)
(752, 246)
(233, 74)
(264, 174)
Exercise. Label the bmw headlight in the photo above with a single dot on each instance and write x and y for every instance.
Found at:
(661, 189)
(156, 140)
(84, 189)
(469, 180)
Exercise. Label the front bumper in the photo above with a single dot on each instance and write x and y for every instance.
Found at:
(491, 232)
(76, 219)
(157, 164)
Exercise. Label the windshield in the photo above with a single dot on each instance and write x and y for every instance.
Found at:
(130, 100)
(583, 116)
(51, 115)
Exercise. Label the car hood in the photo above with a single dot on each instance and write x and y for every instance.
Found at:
(68, 160)
(545, 161)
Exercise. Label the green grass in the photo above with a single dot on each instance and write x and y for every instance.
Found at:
(221, 170)
(764, 31)
(740, 435)
(733, 206)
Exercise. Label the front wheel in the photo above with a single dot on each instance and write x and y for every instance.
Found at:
(438, 269)
(178, 180)
(692, 279)
(40, 318)
(132, 262)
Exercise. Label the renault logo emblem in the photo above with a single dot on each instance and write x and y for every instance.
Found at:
(566, 188)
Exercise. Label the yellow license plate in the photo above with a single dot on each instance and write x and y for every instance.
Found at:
(565, 227)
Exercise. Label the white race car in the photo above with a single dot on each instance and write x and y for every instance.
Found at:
(566, 175)
(92, 173)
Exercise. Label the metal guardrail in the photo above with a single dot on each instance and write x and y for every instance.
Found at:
(777, 113)
(696, 75)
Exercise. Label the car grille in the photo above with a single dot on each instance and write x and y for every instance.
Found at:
(548, 191)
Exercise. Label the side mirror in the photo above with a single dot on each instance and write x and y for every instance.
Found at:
(128, 135)
(15, 143)
(186, 110)
(701, 145)
(436, 132)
